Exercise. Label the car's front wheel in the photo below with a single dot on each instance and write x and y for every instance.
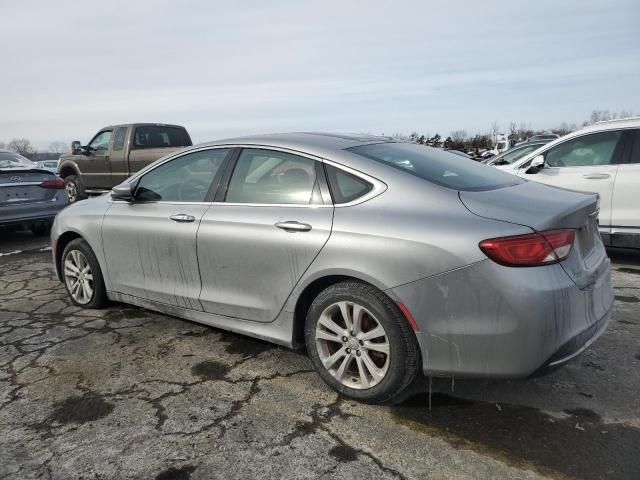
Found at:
(75, 188)
(82, 275)
(360, 343)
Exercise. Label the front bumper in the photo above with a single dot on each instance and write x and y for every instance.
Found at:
(486, 320)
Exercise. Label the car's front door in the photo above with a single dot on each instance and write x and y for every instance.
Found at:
(625, 211)
(588, 163)
(260, 236)
(150, 243)
(96, 171)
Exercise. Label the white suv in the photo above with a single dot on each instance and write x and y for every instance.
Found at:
(602, 158)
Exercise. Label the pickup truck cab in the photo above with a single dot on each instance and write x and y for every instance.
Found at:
(115, 153)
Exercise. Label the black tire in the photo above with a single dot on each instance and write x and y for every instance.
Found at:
(75, 188)
(40, 229)
(99, 297)
(404, 353)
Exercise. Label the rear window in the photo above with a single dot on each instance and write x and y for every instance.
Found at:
(437, 166)
(158, 136)
(9, 160)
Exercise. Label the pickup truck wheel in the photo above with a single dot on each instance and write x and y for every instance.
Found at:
(75, 188)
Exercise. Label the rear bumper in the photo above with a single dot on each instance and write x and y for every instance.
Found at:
(486, 320)
(33, 212)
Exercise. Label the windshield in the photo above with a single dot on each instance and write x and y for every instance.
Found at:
(11, 160)
(513, 155)
(437, 166)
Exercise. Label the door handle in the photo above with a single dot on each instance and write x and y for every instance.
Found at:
(596, 176)
(293, 226)
(182, 218)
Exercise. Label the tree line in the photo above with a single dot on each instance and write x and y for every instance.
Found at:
(460, 140)
(457, 139)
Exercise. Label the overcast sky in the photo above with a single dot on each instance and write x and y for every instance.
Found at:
(225, 68)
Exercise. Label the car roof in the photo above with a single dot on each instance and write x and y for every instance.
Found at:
(315, 143)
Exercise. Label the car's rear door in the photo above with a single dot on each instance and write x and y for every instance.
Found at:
(587, 163)
(150, 243)
(625, 209)
(263, 231)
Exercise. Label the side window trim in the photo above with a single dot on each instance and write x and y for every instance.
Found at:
(213, 187)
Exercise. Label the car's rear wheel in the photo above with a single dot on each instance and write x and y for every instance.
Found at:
(75, 188)
(82, 275)
(360, 343)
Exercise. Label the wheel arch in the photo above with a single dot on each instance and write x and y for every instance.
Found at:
(68, 168)
(312, 289)
(61, 244)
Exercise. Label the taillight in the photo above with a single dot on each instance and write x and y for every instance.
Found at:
(530, 250)
(56, 183)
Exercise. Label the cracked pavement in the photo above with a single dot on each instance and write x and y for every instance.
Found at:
(128, 393)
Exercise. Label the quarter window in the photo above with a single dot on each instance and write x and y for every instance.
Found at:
(183, 179)
(344, 186)
(634, 156)
(587, 150)
(101, 141)
(118, 141)
(272, 177)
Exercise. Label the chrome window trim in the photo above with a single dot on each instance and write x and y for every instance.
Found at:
(21, 184)
(378, 186)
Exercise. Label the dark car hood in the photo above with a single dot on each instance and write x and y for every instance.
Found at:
(534, 205)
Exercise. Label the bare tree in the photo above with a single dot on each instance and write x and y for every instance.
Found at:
(626, 113)
(58, 147)
(3, 145)
(459, 136)
(495, 129)
(22, 146)
(513, 128)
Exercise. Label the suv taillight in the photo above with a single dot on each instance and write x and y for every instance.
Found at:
(56, 183)
(531, 250)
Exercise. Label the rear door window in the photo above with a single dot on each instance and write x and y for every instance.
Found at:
(160, 136)
(118, 140)
(271, 177)
(588, 150)
(437, 166)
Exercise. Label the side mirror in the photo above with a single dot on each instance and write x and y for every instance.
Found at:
(124, 191)
(536, 164)
(76, 147)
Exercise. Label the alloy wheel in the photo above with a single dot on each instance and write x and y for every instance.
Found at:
(352, 345)
(78, 276)
(72, 191)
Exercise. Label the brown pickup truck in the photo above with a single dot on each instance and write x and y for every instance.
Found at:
(114, 154)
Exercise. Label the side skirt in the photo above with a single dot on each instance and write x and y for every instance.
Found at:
(280, 331)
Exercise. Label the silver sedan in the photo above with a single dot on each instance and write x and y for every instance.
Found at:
(388, 260)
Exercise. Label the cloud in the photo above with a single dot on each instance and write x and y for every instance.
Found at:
(238, 68)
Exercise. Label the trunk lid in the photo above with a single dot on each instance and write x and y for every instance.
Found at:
(541, 207)
(22, 186)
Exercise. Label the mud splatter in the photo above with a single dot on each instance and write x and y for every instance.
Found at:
(210, 370)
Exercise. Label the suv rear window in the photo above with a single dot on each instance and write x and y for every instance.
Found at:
(159, 136)
(438, 166)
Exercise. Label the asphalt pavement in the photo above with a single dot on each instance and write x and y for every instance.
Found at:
(128, 393)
